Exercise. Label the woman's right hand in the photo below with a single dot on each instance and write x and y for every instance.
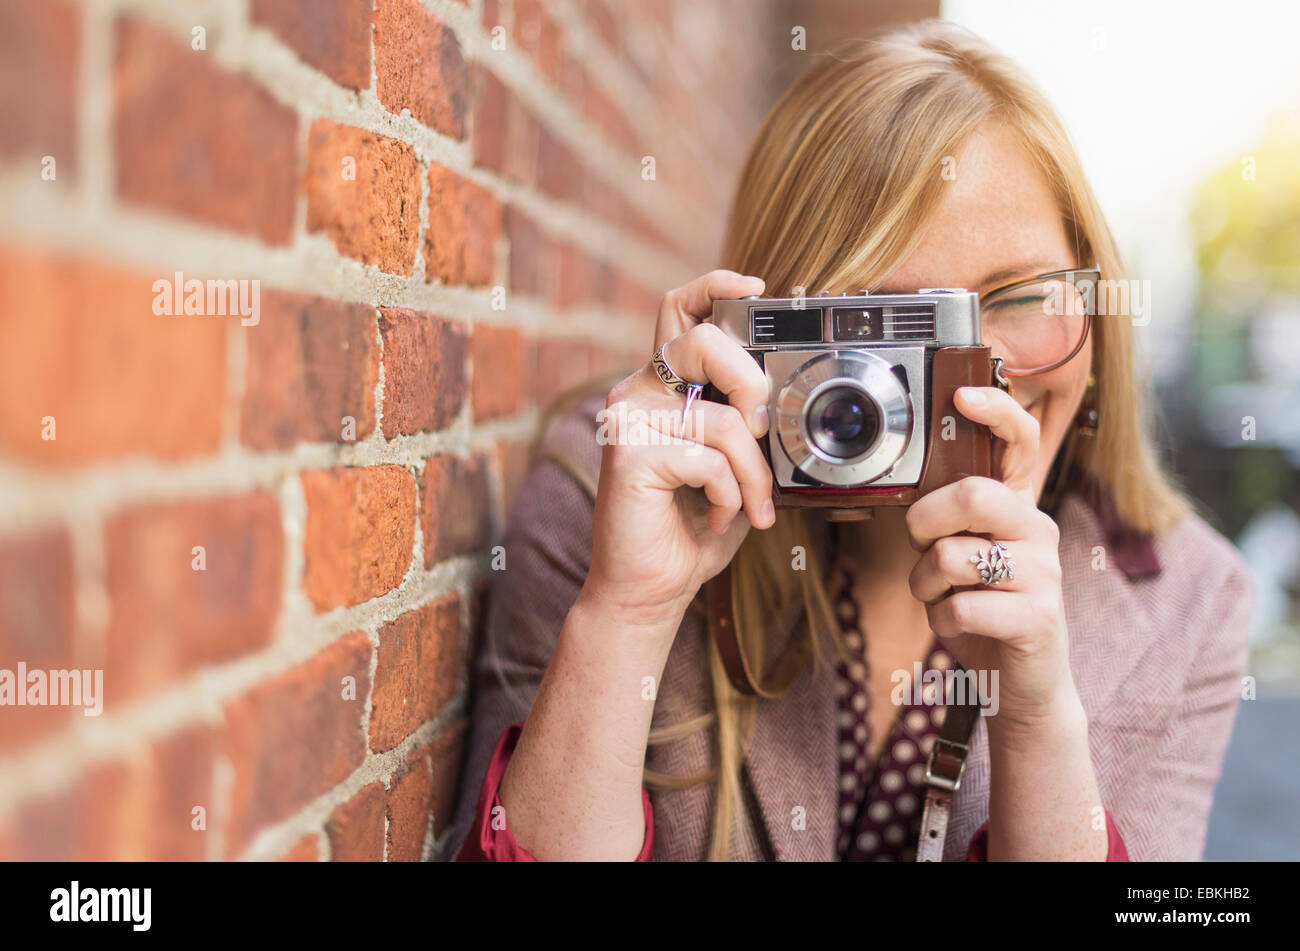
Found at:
(671, 513)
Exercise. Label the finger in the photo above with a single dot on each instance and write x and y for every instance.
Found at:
(722, 427)
(948, 565)
(973, 504)
(706, 354)
(683, 308)
(1017, 621)
(1009, 422)
(702, 468)
(630, 440)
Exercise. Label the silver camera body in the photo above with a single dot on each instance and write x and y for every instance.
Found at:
(850, 380)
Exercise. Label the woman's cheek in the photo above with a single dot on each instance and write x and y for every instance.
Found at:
(1055, 406)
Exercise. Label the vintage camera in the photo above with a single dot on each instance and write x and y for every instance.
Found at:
(861, 403)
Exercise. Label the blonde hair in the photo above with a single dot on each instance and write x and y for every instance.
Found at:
(835, 192)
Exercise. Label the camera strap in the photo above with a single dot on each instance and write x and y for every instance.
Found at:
(722, 631)
(943, 772)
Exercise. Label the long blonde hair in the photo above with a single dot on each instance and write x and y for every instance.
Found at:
(835, 192)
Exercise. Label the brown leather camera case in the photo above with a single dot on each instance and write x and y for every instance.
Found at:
(969, 453)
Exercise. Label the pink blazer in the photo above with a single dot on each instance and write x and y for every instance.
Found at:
(1158, 649)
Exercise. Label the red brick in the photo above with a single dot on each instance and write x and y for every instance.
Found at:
(374, 218)
(528, 25)
(606, 360)
(139, 809)
(531, 263)
(448, 755)
(419, 662)
(117, 379)
(195, 140)
(601, 17)
(294, 737)
(457, 512)
(155, 812)
(571, 77)
(311, 362)
(332, 35)
(500, 372)
(537, 35)
(638, 20)
(491, 114)
(632, 296)
(603, 278)
(419, 66)
(360, 533)
(602, 110)
(167, 619)
(599, 198)
(558, 172)
(464, 222)
(356, 828)
(482, 228)
(37, 592)
(424, 371)
(491, 14)
(410, 802)
(306, 849)
(575, 278)
(524, 135)
(40, 50)
(560, 365)
(548, 50)
(633, 219)
(444, 242)
(78, 824)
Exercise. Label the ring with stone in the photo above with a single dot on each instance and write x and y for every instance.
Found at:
(994, 564)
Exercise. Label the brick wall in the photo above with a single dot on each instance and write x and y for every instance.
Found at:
(270, 528)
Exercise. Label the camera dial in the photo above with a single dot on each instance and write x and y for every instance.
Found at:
(844, 418)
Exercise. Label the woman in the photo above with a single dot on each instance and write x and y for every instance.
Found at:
(606, 727)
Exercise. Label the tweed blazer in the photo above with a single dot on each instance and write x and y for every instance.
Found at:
(1158, 661)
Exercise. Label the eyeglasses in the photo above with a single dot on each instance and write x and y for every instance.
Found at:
(1039, 323)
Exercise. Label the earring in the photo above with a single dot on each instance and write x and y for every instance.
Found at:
(1088, 418)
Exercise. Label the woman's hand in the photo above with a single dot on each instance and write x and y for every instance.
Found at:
(1017, 627)
(656, 537)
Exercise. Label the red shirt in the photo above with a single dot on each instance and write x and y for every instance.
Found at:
(490, 839)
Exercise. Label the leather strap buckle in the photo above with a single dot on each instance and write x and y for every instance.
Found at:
(946, 764)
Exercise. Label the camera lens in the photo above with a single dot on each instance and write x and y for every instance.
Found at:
(844, 422)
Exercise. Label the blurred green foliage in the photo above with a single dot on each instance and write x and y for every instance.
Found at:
(1245, 222)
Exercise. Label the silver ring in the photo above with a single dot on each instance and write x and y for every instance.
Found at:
(668, 374)
(675, 383)
(995, 564)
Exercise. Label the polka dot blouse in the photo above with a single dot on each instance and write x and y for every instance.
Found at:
(881, 803)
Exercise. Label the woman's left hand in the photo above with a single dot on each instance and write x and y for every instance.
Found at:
(1017, 627)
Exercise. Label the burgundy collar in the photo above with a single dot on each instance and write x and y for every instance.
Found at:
(1133, 551)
